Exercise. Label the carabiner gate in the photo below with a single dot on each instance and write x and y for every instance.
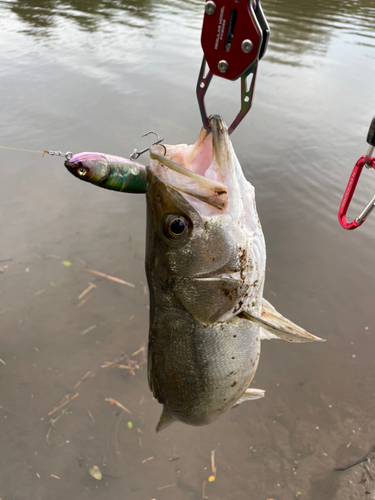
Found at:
(367, 161)
(246, 95)
(349, 191)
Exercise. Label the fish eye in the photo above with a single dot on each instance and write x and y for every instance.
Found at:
(176, 227)
(81, 171)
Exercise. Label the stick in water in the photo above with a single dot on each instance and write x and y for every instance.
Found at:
(111, 278)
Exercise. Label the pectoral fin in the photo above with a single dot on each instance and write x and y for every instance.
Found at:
(249, 395)
(208, 299)
(267, 335)
(275, 324)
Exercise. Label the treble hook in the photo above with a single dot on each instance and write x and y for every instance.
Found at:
(136, 154)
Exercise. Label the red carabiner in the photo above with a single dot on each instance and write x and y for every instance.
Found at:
(348, 195)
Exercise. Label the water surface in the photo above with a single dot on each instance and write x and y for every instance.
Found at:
(95, 75)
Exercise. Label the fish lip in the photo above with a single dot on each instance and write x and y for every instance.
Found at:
(207, 190)
(216, 122)
(220, 141)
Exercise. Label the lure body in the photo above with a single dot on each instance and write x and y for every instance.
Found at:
(109, 172)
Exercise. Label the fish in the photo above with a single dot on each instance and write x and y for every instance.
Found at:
(205, 267)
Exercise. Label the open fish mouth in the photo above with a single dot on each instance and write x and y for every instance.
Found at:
(201, 170)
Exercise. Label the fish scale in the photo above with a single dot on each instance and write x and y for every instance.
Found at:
(200, 372)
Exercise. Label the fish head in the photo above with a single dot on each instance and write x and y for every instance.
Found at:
(205, 248)
(91, 167)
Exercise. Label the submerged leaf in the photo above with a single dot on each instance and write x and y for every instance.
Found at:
(95, 472)
(88, 329)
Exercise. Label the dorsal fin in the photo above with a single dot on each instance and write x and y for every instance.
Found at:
(164, 421)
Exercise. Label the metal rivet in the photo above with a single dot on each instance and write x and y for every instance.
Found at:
(210, 7)
(247, 46)
(223, 66)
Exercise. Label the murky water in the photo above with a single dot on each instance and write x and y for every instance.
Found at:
(95, 75)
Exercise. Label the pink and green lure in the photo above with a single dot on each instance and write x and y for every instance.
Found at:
(109, 172)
